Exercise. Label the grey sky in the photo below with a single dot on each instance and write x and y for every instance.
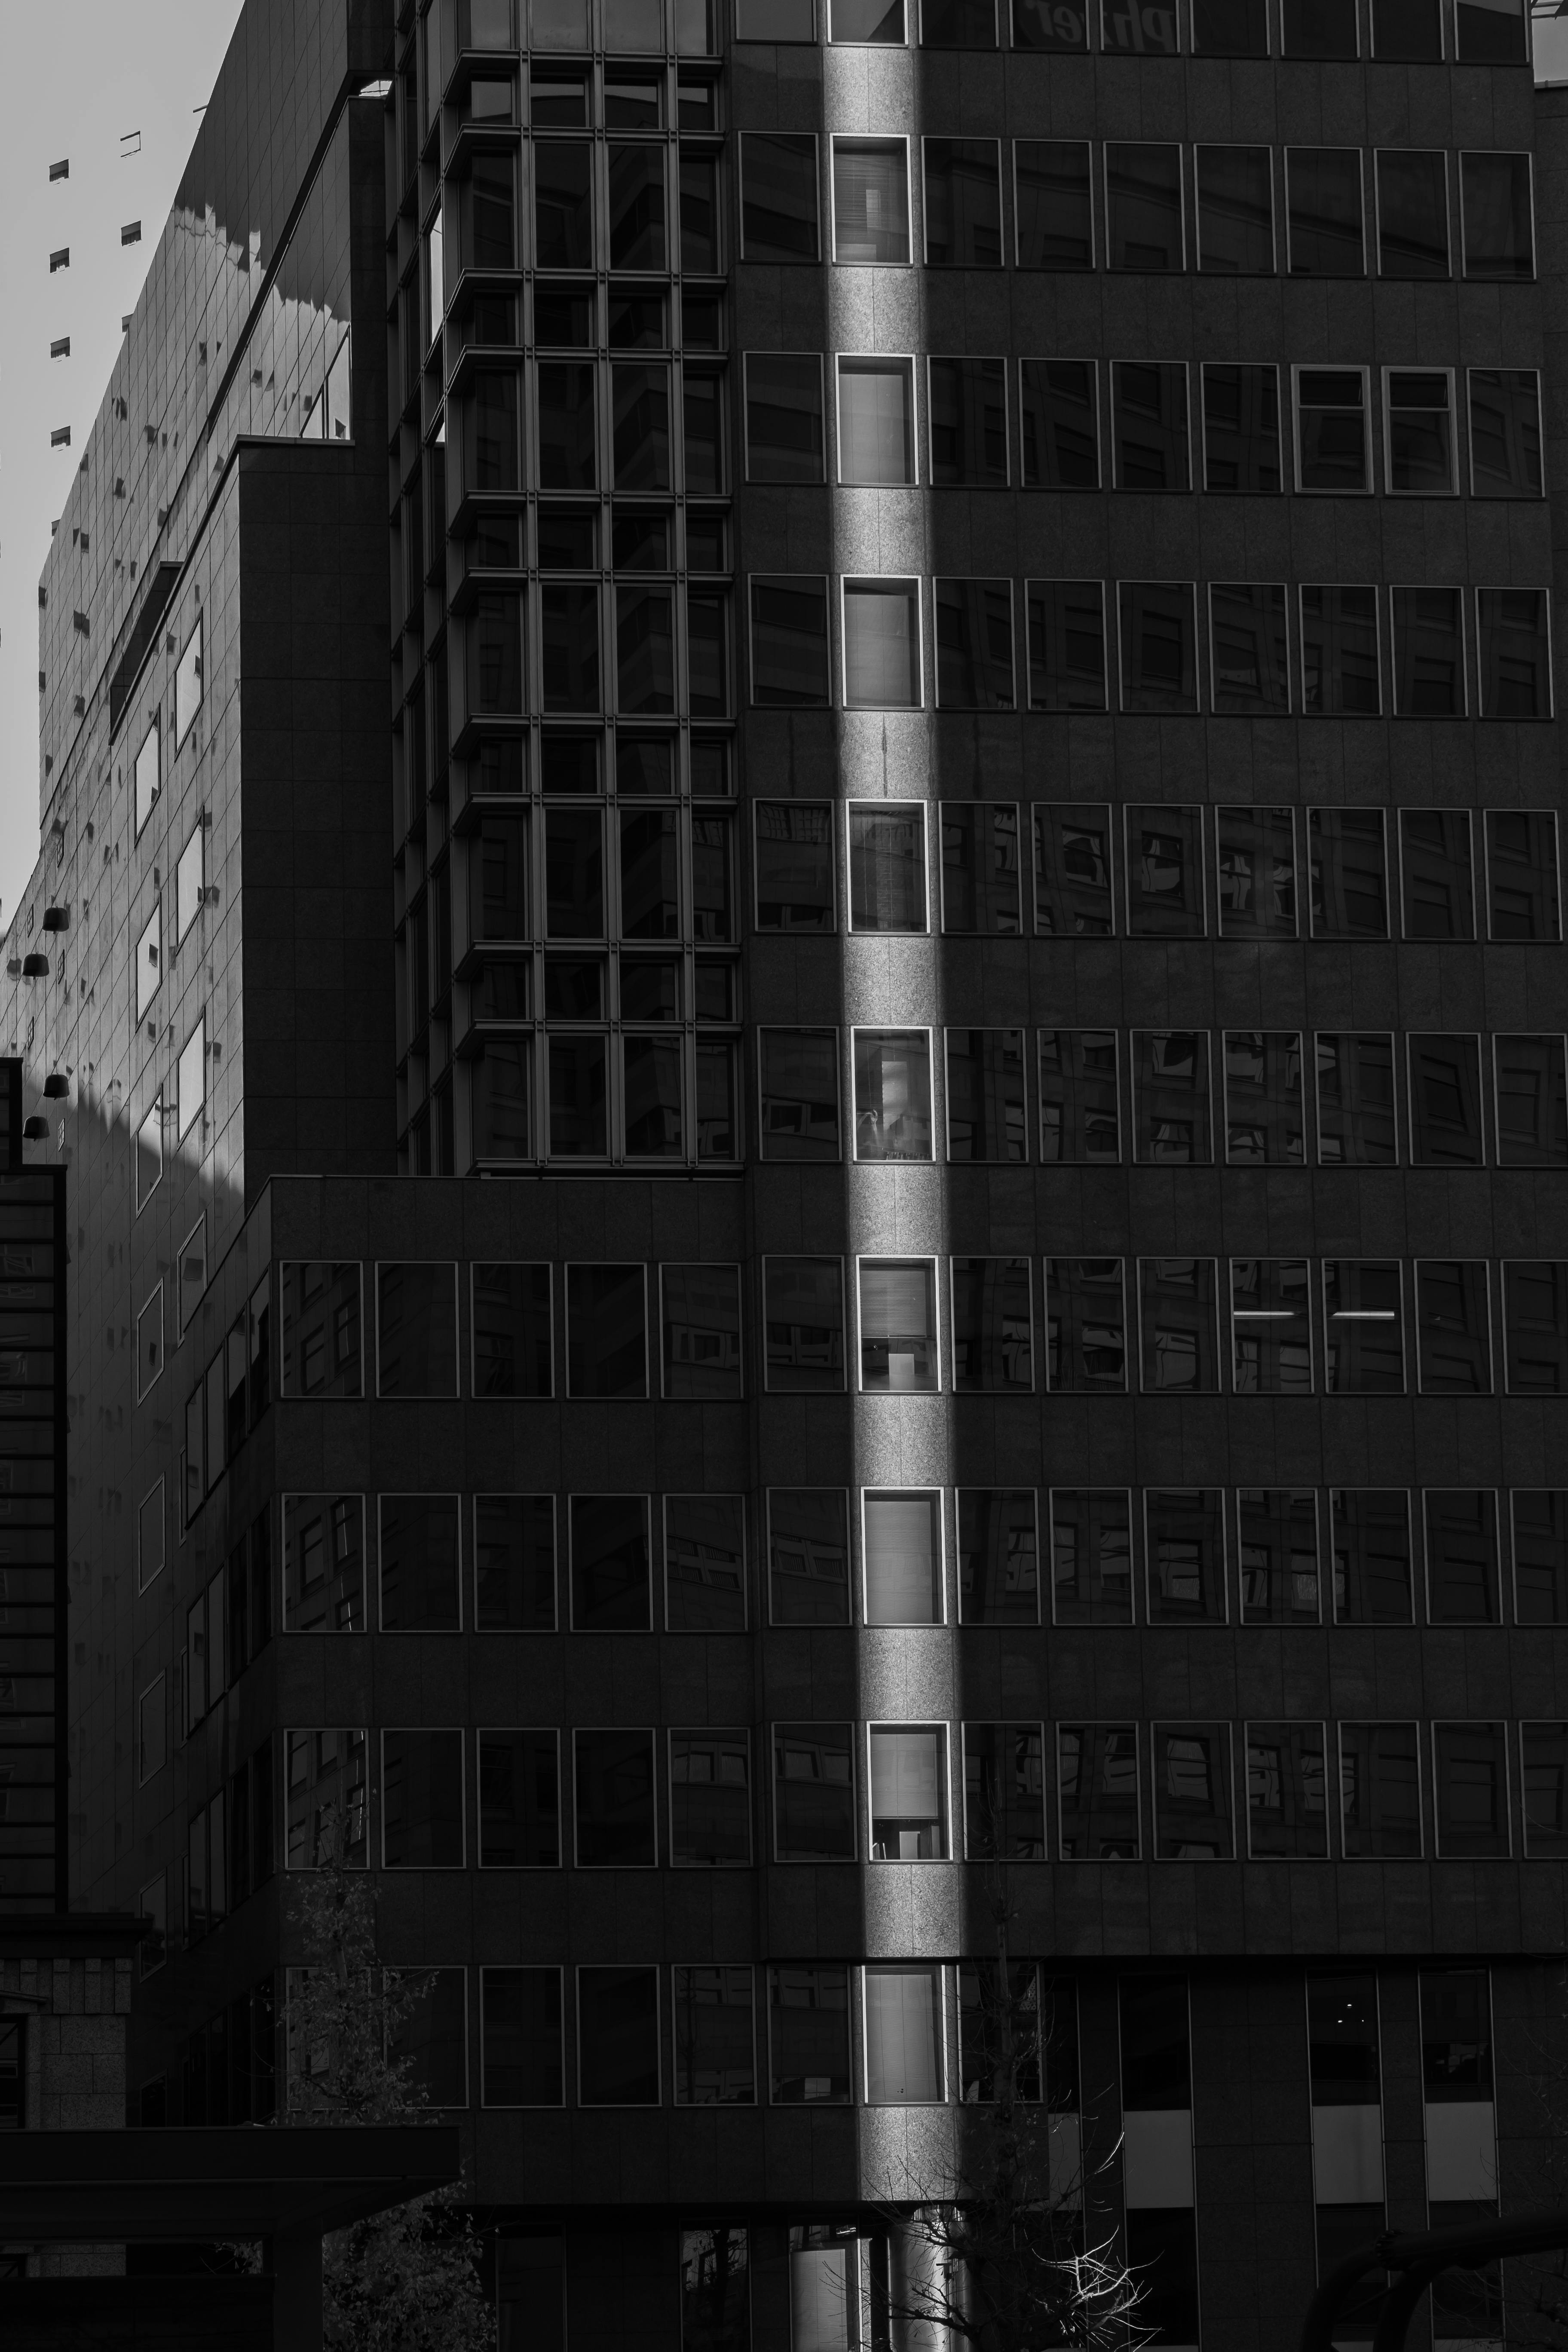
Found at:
(87, 71)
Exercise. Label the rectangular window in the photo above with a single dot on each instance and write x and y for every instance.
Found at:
(803, 1322)
(1407, 29)
(146, 780)
(1446, 1124)
(416, 1330)
(323, 1564)
(1287, 1793)
(1544, 1785)
(607, 1332)
(962, 203)
(898, 1326)
(1363, 1327)
(1097, 1793)
(513, 1337)
(1437, 874)
(189, 684)
(1143, 207)
(1490, 32)
(1066, 620)
(1341, 672)
(1453, 1326)
(1242, 450)
(778, 196)
(1073, 895)
(1085, 1326)
(784, 441)
(1324, 193)
(1320, 28)
(1271, 1347)
(1522, 895)
(1004, 1793)
(813, 1792)
(1277, 1533)
(1179, 1326)
(909, 1792)
(1158, 636)
(715, 2067)
(700, 1326)
(152, 1730)
(1412, 212)
(1091, 1556)
(902, 1534)
(1081, 1119)
(191, 1079)
(149, 1153)
(421, 1577)
(1265, 1124)
(871, 200)
(980, 876)
(1333, 443)
(1194, 1816)
(892, 1093)
(998, 1562)
(326, 1779)
(189, 886)
(1370, 1532)
(876, 421)
(1535, 1318)
(613, 1799)
(1059, 403)
(704, 1563)
(1235, 200)
(808, 1556)
(567, 410)
(710, 1798)
(1379, 1791)
(798, 1079)
(1183, 1539)
(520, 1800)
(808, 2036)
(514, 1563)
(422, 1800)
(1513, 653)
(522, 2061)
(1172, 1095)
(617, 2037)
(1150, 439)
(1250, 674)
(993, 1337)
(905, 2037)
(881, 624)
(562, 205)
(1463, 1578)
(1469, 1774)
(967, 409)
(1505, 433)
(790, 668)
(1497, 217)
(1166, 871)
(1051, 181)
(794, 850)
(612, 1584)
(985, 1120)
(1349, 865)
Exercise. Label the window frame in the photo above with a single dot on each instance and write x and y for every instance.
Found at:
(492, 1494)
(646, 1395)
(1493, 938)
(1244, 1852)
(794, 1029)
(1361, 1315)
(773, 1727)
(1113, 437)
(908, 360)
(379, 1844)
(741, 1731)
(776, 579)
(433, 1395)
(586, 1731)
(621, 2107)
(1466, 652)
(408, 1494)
(155, 1297)
(474, 1393)
(944, 1991)
(943, 1731)
(766, 1563)
(1384, 276)
(869, 139)
(1451, 376)
(1529, 160)
(152, 930)
(938, 1516)
(1487, 1162)
(931, 1258)
(508, 1968)
(750, 1967)
(1524, 497)
(1468, 1723)
(1424, 1796)
(197, 638)
(1107, 266)
(482, 1730)
(1168, 1724)
(1095, 222)
(602, 1495)
(1300, 147)
(813, 261)
(1369, 487)
(970, 140)
(1512, 719)
(847, 580)
(927, 929)
(746, 358)
(1141, 1747)
(1502, 1534)
(153, 733)
(1246, 147)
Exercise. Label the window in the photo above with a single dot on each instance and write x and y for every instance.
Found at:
(1505, 433)
(1420, 447)
(993, 1345)
(1428, 653)
(1523, 901)
(1255, 850)
(1287, 1793)
(700, 1322)
(1179, 1326)
(1277, 1538)
(1437, 880)
(1363, 1319)
(1073, 896)
(1091, 1556)
(1469, 1772)
(522, 2061)
(882, 644)
(904, 1557)
(1080, 1119)
(1445, 1101)
(871, 197)
(973, 622)
(1158, 634)
(192, 1273)
(1333, 447)
(326, 1782)
(1004, 1793)
(1065, 621)
(798, 1077)
(1323, 196)
(1379, 1791)
(794, 851)
(1235, 200)
(323, 1564)
(1059, 409)
(150, 960)
(1356, 1100)
(1341, 675)
(1453, 1323)
(1499, 223)
(434, 2040)
(1241, 430)
(1407, 29)
(1535, 1324)
(1250, 677)
(998, 1566)
(607, 1332)
(422, 1800)
(784, 417)
(909, 1792)
(1172, 1123)
(1348, 865)
(322, 1329)
(980, 878)
(905, 2038)
(967, 402)
(1320, 28)
(704, 1564)
(1193, 1816)
(512, 1331)
(417, 1329)
(150, 1535)
(1097, 1793)
(149, 1153)
(612, 1582)
(813, 1792)
(962, 203)
(191, 1079)
(1544, 1785)
(985, 1119)
(778, 195)
(892, 1093)
(1370, 1535)
(1054, 208)
(1513, 653)
(1143, 207)
(520, 1800)
(876, 421)
(617, 2037)
(715, 2065)
(1463, 1581)
(152, 1730)
(188, 685)
(1184, 1537)
(1412, 212)
(808, 1556)
(613, 1799)
(1149, 425)
(420, 1574)
(1271, 1344)
(808, 2036)
(514, 1563)
(1085, 1326)
(898, 1326)
(1490, 32)
(790, 666)
(189, 886)
(803, 1314)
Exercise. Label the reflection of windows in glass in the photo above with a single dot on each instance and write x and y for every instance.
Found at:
(1505, 433)
(321, 1328)
(876, 421)
(892, 1093)
(1436, 881)
(784, 417)
(871, 192)
(513, 1349)
(1363, 1327)
(569, 653)
(1340, 674)
(1073, 897)
(794, 850)
(577, 1098)
(1091, 1556)
(808, 2036)
(804, 1319)
(514, 1563)
(1412, 212)
(323, 1563)
(1334, 444)
(1469, 1772)
(1180, 1330)
(1143, 207)
(1255, 848)
(1445, 1129)
(1085, 1326)
(1236, 190)
(1097, 1791)
(417, 1329)
(1192, 1817)
(1004, 1793)
(1495, 208)
(704, 1564)
(522, 2064)
(909, 1792)
(1543, 1769)
(422, 1800)
(813, 1792)
(993, 1343)
(1270, 1331)
(1149, 436)
(1513, 653)
(709, 1799)
(419, 1564)
(326, 1774)
(904, 2034)
(613, 1795)
(607, 1332)
(634, 180)
(1323, 199)
(1349, 865)
(968, 412)
(973, 622)
(903, 1548)
(1080, 1122)
(1453, 1326)
(1287, 1793)
(640, 425)
(701, 1321)
(562, 205)
(520, 1800)
(779, 196)
(1051, 185)
(798, 1079)
(1379, 1791)
(1370, 1534)
(1158, 631)
(715, 2067)
(1059, 415)
(1250, 675)
(645, 650)
(1463, 1586)
(985, 1095)
(898, 1326)
(1171, 1098)
(999, 1567)
(1164, 872)
(1065, 621)
(1183, 1539)
(1242, 450)
(882, 644)
(789, 642)
(1276, 1534)
(612, 1586)
(1523, 901)
(980, 892)
(1535, 1320)
(962, 203)
(808, 1556)
(617, 2037)
(1420, 451)
(567, 408)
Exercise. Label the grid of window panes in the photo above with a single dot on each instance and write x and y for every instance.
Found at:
(568, 984)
